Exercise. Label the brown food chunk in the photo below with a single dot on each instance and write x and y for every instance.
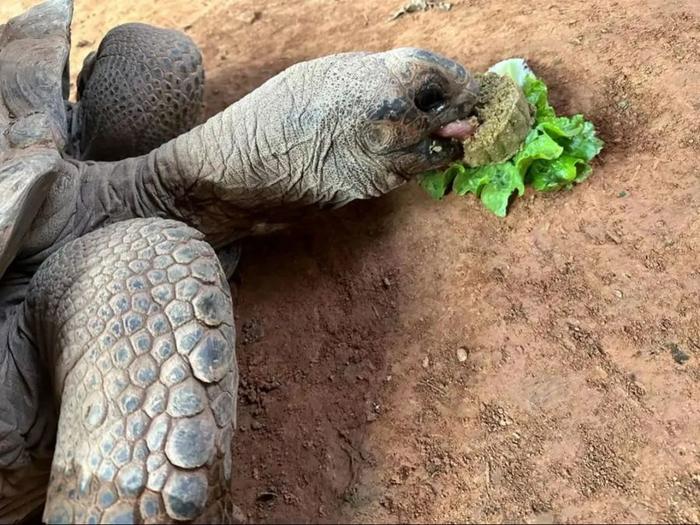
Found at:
(505, 119)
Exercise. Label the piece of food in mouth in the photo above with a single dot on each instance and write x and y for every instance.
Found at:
(504, 120)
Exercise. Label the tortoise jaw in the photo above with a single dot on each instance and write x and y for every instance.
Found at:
(459, 122)
(442, 151)
(449, 134)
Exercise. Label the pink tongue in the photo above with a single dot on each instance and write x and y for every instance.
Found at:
(458, 129)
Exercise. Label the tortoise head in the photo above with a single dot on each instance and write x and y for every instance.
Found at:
(364, 123)
(387, 110)
(416, 95)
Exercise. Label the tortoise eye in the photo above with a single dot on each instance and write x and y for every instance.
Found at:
(430, 99)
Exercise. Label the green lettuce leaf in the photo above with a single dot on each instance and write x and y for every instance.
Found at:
(560, 128)
(584, 145)
(582, 172)
(556, 174)
(536, 94)
(437, 183)
(505, 180)
(538, 145)
(471, 180)
(493, 184)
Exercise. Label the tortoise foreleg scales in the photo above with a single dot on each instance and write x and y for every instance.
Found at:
(135, 323)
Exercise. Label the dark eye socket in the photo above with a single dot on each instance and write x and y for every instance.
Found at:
(430, 98)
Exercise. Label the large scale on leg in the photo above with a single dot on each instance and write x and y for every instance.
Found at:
(141, 338)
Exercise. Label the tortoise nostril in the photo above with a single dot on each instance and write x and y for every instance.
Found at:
(430, 99)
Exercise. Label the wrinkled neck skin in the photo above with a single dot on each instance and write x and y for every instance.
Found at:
(261, 162)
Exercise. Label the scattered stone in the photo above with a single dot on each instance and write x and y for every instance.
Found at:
(237, 515)
(83, 43)
(637, 389)
(679, 356)
(252, 331)
(495, 417)
(249, 17)
(623, 104)
(256, 425)
(462, 354)
(426, 362)
(613, 237)
(414, 6)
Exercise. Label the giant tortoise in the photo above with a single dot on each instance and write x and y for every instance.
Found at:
(118, 379)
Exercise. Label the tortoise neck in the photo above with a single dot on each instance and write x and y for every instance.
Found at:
(206, 178)
(109, 192)
(243, 171)
(228, 177)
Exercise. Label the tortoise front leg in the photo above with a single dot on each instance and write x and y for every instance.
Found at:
(135, 322)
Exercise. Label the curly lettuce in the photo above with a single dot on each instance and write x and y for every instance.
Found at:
(555, 155)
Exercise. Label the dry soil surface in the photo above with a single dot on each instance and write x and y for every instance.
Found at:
(409, 360)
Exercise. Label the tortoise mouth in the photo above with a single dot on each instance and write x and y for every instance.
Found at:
(436, 153)
(448, 147)
(459, 122)
(443, 141)
(460, 129)
(448, 135)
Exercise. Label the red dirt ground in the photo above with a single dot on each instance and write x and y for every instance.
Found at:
(578, 314)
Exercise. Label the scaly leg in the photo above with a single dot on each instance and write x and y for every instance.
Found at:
(142, 87)
(135, 324)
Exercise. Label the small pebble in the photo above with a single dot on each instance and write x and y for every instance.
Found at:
(462, 354)
(237, 515)
(249, 17)
(679, 356)
(639, 388)
(426, 362)
(256, 425)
